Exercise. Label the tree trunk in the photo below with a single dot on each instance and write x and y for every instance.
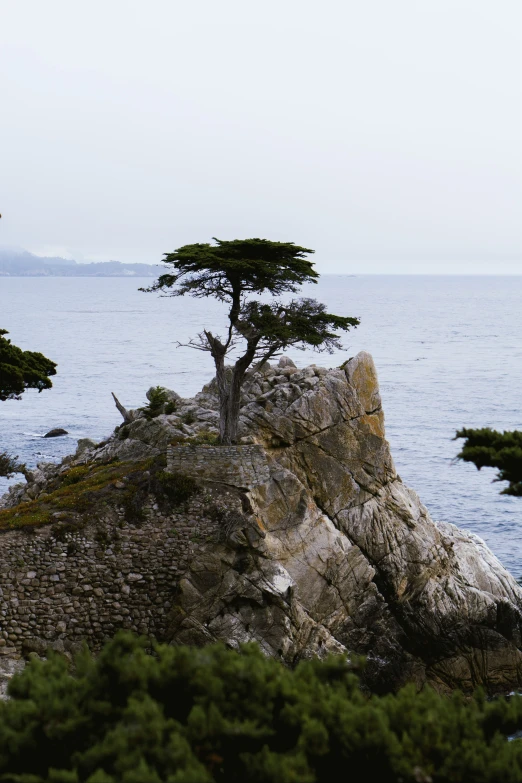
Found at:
(229, 418)
(218, 353)
(232, 405)
(229, 389)
(124, 412)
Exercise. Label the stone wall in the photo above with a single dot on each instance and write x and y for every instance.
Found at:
(239, 466)
(59, 587)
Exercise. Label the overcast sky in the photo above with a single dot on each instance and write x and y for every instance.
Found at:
(386, 134)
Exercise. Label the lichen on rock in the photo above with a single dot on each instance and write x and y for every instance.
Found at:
(328, 552)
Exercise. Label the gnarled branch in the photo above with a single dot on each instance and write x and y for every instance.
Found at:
(127, 418)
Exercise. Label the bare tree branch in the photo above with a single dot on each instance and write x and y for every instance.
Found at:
(127, 418)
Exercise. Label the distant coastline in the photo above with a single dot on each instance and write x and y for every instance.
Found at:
(20, 263)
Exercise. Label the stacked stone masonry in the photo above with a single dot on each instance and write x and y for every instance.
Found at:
(58, 590)
(240, 466)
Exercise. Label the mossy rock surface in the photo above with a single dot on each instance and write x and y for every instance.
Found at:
(85, 489)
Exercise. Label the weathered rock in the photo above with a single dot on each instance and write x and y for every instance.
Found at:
(327, 551)
(85, 445)
(170, 395)
(56, 433)
(285, 361)
(362, 375)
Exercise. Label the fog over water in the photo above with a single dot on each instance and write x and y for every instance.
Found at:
(385, 135)
(447, 351)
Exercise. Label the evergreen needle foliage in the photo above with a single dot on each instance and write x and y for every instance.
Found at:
(21, 370)
(233, 271)
(158, 399)
(502, 450)
(212, 715)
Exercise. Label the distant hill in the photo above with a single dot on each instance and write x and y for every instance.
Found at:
(20, 263)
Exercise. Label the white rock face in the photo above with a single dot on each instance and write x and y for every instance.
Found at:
(367, 569)
(333, 553)
(422, 599)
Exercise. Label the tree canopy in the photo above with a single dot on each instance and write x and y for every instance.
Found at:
(21, 370)
(213, 715)
(232, 272)
(502, 450)
(230, 268)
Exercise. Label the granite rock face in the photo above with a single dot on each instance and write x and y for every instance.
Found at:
(355, 560)
(331, 552)
(422, 600)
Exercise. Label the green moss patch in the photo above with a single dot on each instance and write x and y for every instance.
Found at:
(85, 489)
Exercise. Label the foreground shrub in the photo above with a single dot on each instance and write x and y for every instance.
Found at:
(188, 715)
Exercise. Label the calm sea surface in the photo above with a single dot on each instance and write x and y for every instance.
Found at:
(448, 351)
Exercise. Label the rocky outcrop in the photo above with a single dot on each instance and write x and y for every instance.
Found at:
(329, 551)
(56, 433)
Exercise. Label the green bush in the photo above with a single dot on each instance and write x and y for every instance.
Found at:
(174, 489)
(158, 399)
(170, 490)
(187, 715)
(502, 450)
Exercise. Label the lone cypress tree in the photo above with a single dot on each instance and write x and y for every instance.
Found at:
(20, 370)
(232, 272)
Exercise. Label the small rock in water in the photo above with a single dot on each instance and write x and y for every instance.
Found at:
(56, 433)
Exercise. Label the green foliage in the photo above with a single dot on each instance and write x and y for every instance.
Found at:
(9, 465)
(21, 370)
(302, 323)
(233, 271)
(158, 399)
(80, 491)
(132, 502)
(170, 490)
(489, 448)
(85, 489)
(176, 488)
(253, 265)
(212, 715)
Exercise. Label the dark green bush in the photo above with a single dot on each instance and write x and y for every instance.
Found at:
(188, 715)
(170, 490)
(132, 501)
(158, 399)
(174, 488)
(502, 450)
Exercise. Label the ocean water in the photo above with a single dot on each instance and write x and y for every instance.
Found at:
(448, 352)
